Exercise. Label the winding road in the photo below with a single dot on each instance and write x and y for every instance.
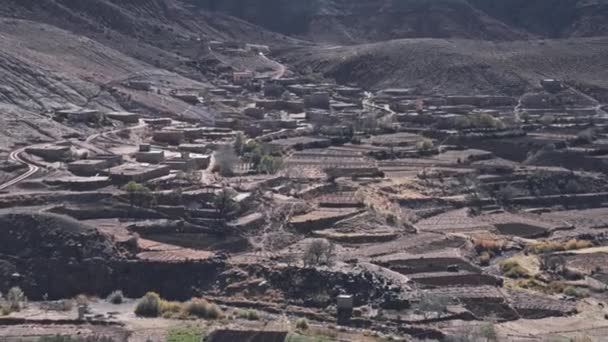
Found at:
(32, 169)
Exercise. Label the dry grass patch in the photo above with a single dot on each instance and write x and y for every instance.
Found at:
(512, 269)
(545, 247)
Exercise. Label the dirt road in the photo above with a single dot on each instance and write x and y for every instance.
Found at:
(32, 169)
(281, 69)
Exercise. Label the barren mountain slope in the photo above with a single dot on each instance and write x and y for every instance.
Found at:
(360, 21)
(551, 18)
(461, 66)
(357, 21)
(62, 53)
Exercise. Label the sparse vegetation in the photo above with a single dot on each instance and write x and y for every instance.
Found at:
(62, 338)
(188, 333)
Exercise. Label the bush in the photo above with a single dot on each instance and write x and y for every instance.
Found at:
(250, 315)
(512, 269)
(573, 292)
(226, 161)
(302, 324)
(424, 145)
(203, 309)
(116, 297)
(319, 252)
(149, 305)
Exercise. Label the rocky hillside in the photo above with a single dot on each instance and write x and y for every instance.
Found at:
(358, 21)
(71, 53)
(550, 18)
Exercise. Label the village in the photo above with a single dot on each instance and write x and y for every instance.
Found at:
(386, 214)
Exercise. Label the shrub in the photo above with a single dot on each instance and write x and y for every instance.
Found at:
(488, 332)
(492, 247)
(302, 324)
(484, 258)
(424, 145)
(552, 246)
(15, 298)
(586, 137)
(547, 247)
(578, 244)
(505, 195)
(116, 297)
(214, 312)
(270, 165)
(149, 305)
(531, 284)
(167, 307)
(512, 269)
(197, 307)
(203, 309)
(250, 315)
(573, 292)
(139, 195)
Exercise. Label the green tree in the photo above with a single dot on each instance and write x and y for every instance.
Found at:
(225, 205)
(270, 165)
(239, 143)
(138, 194)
